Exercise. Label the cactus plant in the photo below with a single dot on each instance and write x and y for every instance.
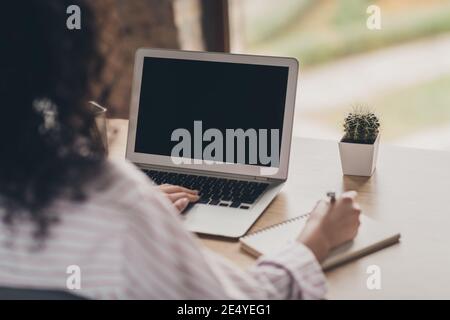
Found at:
(361, 126)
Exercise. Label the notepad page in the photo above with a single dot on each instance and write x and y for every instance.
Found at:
(274, 238)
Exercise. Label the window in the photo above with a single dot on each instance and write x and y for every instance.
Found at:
(401, 71)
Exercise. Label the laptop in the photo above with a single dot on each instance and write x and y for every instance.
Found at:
(217, 123)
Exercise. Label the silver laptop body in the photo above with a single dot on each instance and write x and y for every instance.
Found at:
(194, 117)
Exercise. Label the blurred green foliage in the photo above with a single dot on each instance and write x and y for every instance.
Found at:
(349, 11)
(403, 111)
(320, 31)
(326, 36)
(271, 21)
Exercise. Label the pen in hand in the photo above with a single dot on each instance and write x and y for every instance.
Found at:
(332, 196)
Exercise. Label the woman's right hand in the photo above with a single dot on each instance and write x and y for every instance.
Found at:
(331, 224)
(179, 196)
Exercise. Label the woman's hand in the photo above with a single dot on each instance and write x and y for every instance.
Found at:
(331, 224)
(179, 196)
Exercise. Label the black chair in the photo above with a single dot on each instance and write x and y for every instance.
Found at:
(36, 294)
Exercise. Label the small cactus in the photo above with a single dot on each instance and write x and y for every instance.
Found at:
(361, 126)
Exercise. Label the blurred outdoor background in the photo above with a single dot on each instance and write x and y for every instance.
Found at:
(402, 71)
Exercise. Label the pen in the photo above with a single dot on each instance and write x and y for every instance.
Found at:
(332, 196)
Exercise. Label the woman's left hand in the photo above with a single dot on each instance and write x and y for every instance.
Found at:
(179, 196)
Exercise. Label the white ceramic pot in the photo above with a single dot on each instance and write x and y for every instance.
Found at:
(359, 159)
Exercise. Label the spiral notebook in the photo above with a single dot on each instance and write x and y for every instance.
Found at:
(372, 236)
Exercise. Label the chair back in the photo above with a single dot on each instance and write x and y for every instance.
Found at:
(36, 294)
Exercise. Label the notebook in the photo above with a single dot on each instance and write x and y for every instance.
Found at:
(372, 236)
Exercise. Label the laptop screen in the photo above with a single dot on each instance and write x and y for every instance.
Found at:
(227, 112)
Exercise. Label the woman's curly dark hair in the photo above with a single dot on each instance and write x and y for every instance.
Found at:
(48, 142)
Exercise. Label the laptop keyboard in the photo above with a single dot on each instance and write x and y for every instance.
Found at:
(214, 191)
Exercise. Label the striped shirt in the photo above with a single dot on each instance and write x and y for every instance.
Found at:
(126, 241)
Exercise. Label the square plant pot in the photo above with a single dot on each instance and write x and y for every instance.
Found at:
(358, 159)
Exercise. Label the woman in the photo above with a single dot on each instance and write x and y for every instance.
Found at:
(65, 207)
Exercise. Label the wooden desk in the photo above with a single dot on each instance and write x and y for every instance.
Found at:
(409, 191)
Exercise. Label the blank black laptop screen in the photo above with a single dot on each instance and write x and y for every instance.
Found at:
(177, 93)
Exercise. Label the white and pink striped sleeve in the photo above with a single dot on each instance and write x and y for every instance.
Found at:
(292, 273)
(164, 261)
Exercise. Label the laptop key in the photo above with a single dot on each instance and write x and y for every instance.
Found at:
(226, 198)
(213, 191)
(216, 196)
(235, 204)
